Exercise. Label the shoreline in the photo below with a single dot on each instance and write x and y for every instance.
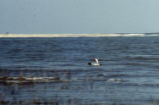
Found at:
(68, 35)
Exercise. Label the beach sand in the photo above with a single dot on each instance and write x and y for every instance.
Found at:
(69, 35)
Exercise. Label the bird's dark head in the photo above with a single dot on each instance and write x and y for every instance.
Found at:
(88, 63)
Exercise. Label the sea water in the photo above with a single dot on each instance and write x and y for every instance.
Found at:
(129, 74)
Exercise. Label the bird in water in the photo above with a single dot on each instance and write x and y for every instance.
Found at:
(94, 63)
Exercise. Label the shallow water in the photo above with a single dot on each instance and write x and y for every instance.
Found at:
(129, 73)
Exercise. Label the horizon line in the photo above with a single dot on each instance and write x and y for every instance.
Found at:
(8, 35)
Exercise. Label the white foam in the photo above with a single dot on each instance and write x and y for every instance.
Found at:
(116, 80)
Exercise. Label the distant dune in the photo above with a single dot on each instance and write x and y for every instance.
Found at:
(69, 35)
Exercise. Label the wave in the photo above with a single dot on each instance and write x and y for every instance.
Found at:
(143, 57)
(22, 79)
(75, 35)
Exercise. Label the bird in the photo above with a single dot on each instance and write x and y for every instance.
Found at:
(94, 63)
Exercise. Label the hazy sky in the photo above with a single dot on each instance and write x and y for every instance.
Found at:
(79, 16)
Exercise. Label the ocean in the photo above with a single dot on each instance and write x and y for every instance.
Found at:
(129, 74)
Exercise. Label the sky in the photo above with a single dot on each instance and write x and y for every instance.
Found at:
(78, 16)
